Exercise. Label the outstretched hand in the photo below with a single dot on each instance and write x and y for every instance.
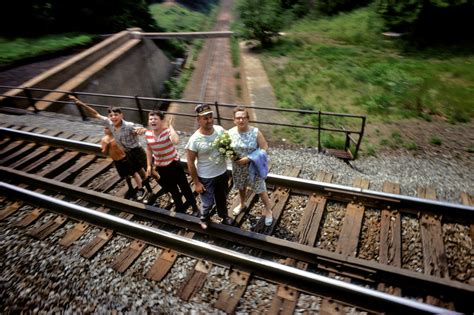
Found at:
(73, 98)
(139, 131)
(170, 122)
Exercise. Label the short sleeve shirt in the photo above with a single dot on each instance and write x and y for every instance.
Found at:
(124, 136)
(206, 164)
(163, 150)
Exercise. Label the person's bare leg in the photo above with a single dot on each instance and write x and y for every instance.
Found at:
(267, 203)
(242, 205)
(268, 208)
(138, 180)
(142, 173)
(243, 195)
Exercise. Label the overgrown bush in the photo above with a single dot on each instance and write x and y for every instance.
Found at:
(262, 19)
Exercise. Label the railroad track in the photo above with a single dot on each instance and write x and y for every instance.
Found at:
(213, 77)
(302, 254)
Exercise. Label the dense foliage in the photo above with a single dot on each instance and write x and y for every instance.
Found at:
(429, 19)
(331, 7)
(198, 5)
(262, 19)
(39, 17)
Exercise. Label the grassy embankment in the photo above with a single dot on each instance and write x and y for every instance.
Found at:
(15, 50)
(344, 64)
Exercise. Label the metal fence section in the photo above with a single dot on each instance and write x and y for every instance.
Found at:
(353, 136)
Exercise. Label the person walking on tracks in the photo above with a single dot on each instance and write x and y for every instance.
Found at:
(209, 177)
(249, 171)
(161, 152)
(126, 135)
(126, 170)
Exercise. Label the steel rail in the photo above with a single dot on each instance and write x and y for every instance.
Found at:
(383, 198)
(316, 284)
(210, 58)
(378, 198)
(362, 269)
(80, 146)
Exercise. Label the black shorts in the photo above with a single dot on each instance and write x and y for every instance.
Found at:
(137, 158)
(124, 168)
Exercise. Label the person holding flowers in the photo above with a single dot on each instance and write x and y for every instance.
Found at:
(249, 144)
(206, 167)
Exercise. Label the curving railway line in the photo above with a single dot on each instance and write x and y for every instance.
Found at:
(65, 174)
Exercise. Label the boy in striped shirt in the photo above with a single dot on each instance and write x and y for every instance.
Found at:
(161, 153)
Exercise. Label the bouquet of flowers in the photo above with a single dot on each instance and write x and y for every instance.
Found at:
(223, 144)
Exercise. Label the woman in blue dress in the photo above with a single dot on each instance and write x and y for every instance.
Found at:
(245, 140)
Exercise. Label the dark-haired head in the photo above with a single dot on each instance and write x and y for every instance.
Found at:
(114, 109)
(158, 113)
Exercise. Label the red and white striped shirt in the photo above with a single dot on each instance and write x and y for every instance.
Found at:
(162, 149)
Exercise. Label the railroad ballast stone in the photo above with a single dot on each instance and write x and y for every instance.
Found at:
(42, 276)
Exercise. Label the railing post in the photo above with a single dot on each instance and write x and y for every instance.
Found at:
(360, 138)
(217, 113)
(140, 111)
(319, 131)
(79, 108)
(30, 99)
(348, 142)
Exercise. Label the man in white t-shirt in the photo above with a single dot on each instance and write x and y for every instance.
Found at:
(209, 174)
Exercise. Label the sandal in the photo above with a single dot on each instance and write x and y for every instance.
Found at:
(268, 220)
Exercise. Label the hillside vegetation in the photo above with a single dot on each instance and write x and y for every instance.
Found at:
(17, 49)
(345, 64)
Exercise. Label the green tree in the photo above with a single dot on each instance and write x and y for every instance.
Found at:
(262, 19)
(39, 17)
(331, 7)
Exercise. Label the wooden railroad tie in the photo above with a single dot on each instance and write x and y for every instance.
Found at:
(285, 299)
(348, 241)
(435, 261)
(390, 250)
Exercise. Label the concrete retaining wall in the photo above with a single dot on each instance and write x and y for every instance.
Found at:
(120, 65)
(141, 70)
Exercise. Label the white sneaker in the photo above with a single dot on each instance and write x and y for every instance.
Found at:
(140, 194)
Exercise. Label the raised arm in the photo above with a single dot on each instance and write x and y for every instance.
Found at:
(174, 137)
(92, 112)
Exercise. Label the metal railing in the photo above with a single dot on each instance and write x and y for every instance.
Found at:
(352, 137)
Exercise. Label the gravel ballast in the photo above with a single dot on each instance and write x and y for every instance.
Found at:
(41, 276)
